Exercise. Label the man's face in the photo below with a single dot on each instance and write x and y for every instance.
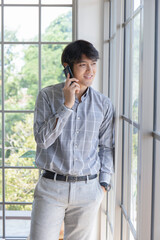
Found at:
(85, 71)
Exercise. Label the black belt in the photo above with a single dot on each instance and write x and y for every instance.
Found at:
(68, 178)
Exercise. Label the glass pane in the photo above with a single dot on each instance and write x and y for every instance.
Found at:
(56, 24)
(106, 67)
(56, 1)
(19, 140)
(112, 77)
(128, 88)
(21, 76)
(106, 22)
(156, 228)
(110, 208)
(21, 1)
(20, 24)
(109, 232)
(133, 187)
(1, 222)
(135, 69)
(127, 140)
(131, 236)
(158, 105)
(0, 22)
(0, 185)
(124, 228)
(0, 82)
(18, 220)
(158, 81)
(113, 17)
(52, 69)
(128, 8)
(0, 139)
(136, 4)
(20, 184)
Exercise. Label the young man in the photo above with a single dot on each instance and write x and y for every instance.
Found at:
(73, 130)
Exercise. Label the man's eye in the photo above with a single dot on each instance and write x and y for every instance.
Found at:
(82, 65)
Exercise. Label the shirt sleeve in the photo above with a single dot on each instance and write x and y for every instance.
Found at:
(48, 125)
(106, 144)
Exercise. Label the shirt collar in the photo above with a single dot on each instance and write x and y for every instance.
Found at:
(84, 96)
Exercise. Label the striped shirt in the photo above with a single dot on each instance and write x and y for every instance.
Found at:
(80, 142)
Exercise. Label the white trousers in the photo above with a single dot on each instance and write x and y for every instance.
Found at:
(75, 203)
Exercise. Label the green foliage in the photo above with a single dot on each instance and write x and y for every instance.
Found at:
(60, 30)
(20, 184)
(19, 140)
(29, 154)
(52, 73)
(21, 77)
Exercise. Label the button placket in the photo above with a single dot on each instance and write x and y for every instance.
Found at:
(75, 148)
(77, 138)
(76, 145)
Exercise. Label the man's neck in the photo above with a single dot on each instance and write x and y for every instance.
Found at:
(81, 93)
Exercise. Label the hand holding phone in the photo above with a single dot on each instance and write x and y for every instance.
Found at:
(70, 88)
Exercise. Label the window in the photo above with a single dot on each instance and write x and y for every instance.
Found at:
(33, 36)
(112, 52)
(110, 71)
(131, 127)
(134, 87)
(156, 131)
(158, 73)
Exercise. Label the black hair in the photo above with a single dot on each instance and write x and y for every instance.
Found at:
(73, 52)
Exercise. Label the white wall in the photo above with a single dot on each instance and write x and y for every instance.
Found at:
(90, 28)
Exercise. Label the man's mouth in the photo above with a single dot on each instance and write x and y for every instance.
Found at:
(88, 76)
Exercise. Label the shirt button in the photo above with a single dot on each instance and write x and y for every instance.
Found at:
(78, 118)
(76, 146)
(77, 131)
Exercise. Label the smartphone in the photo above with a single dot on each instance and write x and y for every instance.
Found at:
(68, 70)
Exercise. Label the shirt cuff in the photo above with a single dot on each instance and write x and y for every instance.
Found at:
(64, 112)
(104, 177)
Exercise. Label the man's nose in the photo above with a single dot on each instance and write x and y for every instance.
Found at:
(89, 68)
